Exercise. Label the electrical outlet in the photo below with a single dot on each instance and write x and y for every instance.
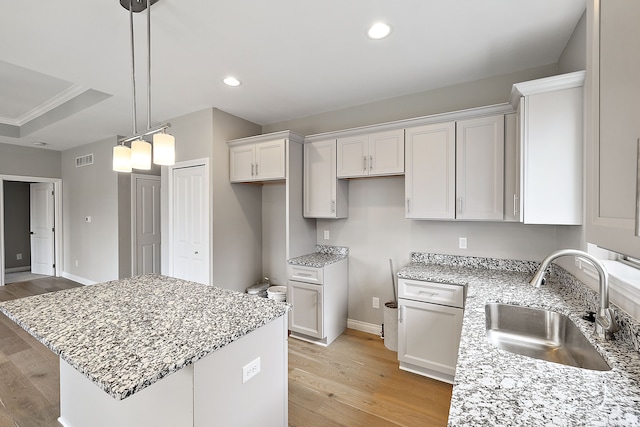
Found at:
(76, 263)
(376, 302)
(462, 243)
(326, 234)
(250, 370)
(18, 256)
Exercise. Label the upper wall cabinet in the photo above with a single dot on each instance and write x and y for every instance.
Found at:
(375, 154)
(324, 195)
(257, 161)
(454, 170)
(512, 210)
(551, 139)
(613, 134)
(430, 171)
(480, 168)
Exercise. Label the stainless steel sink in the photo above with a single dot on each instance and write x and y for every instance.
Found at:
(541, 334)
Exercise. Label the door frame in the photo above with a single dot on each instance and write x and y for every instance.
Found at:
(207, 202)
(57, 212)
(134, 213)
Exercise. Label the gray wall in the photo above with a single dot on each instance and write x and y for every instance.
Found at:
(17, 224)
(376, 229)
(574, 56)
(90, 191)
(27, 161)
(236, 227)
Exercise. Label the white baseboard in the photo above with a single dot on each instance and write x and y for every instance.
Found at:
(370, 328)
(78, 279)
(17, 269)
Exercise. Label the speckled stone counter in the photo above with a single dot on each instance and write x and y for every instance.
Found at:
(495, 387)
(323, 256)
(126, 335)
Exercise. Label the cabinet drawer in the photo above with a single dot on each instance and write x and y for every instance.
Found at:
(306, 274)
(437, 293)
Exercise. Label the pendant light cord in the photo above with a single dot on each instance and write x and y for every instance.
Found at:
(148, 65)
(133, 68)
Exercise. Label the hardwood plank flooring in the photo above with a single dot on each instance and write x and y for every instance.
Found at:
(353, 382)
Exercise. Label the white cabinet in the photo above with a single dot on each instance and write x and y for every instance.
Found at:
(264, 161)
(480, 168)
(512, 210)
(430, 171)
(324, 195)
(374, 154)
(306, 317)
(454, 170)
(613, 137)
(319, 299)
(429, 327)
(551, 140)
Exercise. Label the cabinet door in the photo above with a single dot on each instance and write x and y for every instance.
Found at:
(270, 160)
(386, 153)
(614, 147)
(512, 168)
(242, 163)
(306, 315)
(429, 335)
(430, 171)
(353, 156)
(480, 168)
(323, 196)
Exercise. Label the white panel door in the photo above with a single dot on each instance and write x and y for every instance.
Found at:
(147, 226)
(430, 172)
(480, 168)
(353, 156)
(306, 315)
(42, 223)
(320, 179)
(386, 152)
(270, 160)
(190, 225)
(429, 335)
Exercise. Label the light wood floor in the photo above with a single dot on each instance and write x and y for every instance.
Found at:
(353, 382)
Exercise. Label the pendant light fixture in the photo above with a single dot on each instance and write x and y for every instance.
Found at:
(139, 155)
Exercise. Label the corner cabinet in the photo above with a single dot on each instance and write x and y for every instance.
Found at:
(375, 154)
(613, 137)
(550, 114)
(324, 195)
(264, 161)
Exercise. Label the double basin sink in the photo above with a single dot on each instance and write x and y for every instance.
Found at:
(541, 334)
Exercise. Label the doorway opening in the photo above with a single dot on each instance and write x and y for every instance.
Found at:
(30, 221)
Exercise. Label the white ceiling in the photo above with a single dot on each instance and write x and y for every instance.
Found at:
(65, 71)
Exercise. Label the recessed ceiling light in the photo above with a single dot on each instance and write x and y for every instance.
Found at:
(231, 81)
(40, 144)
(378, 31)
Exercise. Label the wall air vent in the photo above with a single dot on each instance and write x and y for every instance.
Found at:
(85, 160)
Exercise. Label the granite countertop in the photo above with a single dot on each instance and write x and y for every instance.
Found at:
(126, 335)
(496, 387)
(323, 256)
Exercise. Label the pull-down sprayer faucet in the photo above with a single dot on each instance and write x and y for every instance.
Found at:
(605, 324)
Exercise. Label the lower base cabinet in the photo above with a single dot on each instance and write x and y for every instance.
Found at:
(319, 299)
(428, 332)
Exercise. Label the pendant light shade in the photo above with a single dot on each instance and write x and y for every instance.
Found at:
(140, 154)
(121, 158)
(164, 152)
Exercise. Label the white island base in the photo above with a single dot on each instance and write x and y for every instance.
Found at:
(209, 392)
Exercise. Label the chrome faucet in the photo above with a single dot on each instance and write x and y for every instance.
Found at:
(605, 324)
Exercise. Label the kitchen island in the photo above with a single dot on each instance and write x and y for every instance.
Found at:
(155, 350)
(494, 387)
